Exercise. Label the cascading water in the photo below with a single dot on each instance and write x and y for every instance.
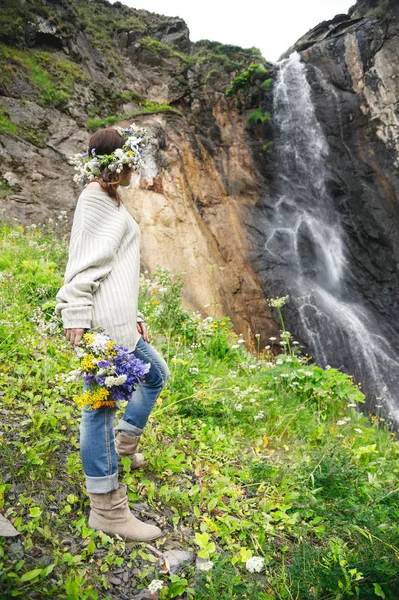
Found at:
(305, 250)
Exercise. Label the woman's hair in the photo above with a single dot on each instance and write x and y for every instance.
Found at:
(106, 141)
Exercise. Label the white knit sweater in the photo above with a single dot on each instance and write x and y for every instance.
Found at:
(101, 283)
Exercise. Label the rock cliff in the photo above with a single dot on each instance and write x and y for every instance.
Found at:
(69, 66)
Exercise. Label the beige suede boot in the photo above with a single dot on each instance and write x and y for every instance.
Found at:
(110, 513)
(125, 445)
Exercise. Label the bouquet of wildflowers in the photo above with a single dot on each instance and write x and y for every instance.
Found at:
(110, 372)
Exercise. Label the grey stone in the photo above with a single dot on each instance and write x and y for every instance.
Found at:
(178, 558)
(7, 529)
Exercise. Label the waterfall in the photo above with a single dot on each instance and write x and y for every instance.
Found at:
(306, 254)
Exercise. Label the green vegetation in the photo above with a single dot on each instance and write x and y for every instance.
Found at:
(249, 455)
(244, 81)
(234, 53)
(4, 188)
(27, 130)
(162, 49)
(149, 108)
(258, 116)
(6, 125)
(379, 10)
(50, 79)
(18, 21)
(267, 83)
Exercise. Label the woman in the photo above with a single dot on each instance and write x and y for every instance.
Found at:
(101, 290)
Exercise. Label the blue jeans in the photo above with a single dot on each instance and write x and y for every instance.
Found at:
(97, 441)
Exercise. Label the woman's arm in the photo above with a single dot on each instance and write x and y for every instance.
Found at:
(90, 260)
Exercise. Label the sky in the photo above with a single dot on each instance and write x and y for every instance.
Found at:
(272, 25)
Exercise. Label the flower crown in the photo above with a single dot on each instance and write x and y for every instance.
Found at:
(89, 167)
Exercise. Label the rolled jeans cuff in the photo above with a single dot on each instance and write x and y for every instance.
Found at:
(125, 427)
(102, 485)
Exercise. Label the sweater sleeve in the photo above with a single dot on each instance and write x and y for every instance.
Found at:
(140, 317)
(96, 234)
(90, 261)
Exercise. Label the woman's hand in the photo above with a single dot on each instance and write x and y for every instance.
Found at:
(141, 328)
(74, 335)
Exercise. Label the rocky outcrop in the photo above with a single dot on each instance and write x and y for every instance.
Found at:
(210, 177)
(201, 172)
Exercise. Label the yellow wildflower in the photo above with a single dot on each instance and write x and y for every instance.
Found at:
(97, 399)
(89, 338)
(110, 348)
(87, 362)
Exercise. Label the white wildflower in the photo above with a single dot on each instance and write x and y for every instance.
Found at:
(80, 353)
(74, 375)
(260, 415)
(343, 421)
(288, 359)
(358, 430)
(194, 370)
(204, 565)
(255, 564)
(99, 344)
(252, 400)
(238, 407)
(240, 341)
(272, 339)
(236, 346)
(155, 586)
(351, 405)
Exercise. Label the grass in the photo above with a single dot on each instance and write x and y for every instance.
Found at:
(258, 116)
(51, 79)
(248, 454)
(148, 109)
(243, 82)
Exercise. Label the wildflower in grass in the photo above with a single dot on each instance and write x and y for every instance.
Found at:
(351, 405)
(278, 302)
(240, 341)
(238, 407)
(343, 421)
(194, 370)
(252, 400)
(272, 339)
(255, 564)
(295, 343)
(260, 415)
(155, 586)
(204, 565)
(358, 430)
(236, 346)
